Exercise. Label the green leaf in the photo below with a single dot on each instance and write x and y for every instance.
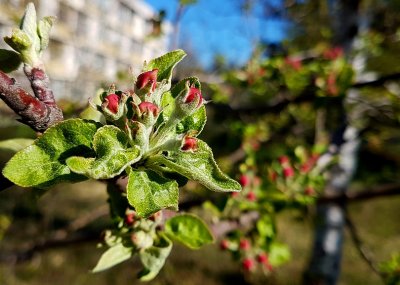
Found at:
(278, 254)
(193, 124)
(189, 230)
(15, 145)
(43, 163)
(9, 60)
(29, 26)
(19, 40)
(199, 166)
(44, 28)
(265, 226)
(165, 64)
(113, 155)
(91, 112)
(113, 256)
(149, 192)
(153, 259)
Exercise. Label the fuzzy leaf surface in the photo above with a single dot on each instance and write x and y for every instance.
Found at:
(113, 155)
(165, 64)
(153, 259)
(113, 256)
(199, 166)
(149, 192)
(189, 230)
(42, 164)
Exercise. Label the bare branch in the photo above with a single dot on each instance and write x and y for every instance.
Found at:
(34, 113)
(362, 250)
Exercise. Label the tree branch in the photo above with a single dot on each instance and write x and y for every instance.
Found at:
(364, 253)
(38, 112)
(356, 196)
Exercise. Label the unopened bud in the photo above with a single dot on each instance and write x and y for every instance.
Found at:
(146, 82)
(147, 107)
(244, 180)
(194, 95)
(189, 144)
(262, 258)
(251, 196)
(224, 244)
(141, 240)
(248, 264)
(244, 244)
(288, 172)
(111, 102)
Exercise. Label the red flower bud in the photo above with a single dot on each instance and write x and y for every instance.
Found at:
(331, 84)
(251, 196)
(244, 244)
(294, 63)
(112, 102)
(283, 159)
(189, 143)
(130, 218)
(244, 180)
(156, 217)
(147, 79)
(288, 172)
(147, 107)
(262, 258)
(224, 245)
(333, 53)
(305, 167)
(248, 264)
(194, 94)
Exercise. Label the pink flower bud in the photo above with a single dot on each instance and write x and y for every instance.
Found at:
(130, 218)
(248, 264)
(189, 143)
(156, 217)
(294, 63)
(112, 102)
(331, 84)
(333, 53)
(244, 244)
(193, 95)
(262, 258)
(244, 180)
(283, 160)
(288, 172)
(251, 196)
(305, 167)
(147, 107)
(147, 79)
(224, 244)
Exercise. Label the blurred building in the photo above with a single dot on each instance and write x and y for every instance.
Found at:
(93, 40)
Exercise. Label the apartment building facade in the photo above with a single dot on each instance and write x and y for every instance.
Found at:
(92, 41)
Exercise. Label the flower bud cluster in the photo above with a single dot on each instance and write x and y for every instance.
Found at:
(251, 186)
(251, 256)
(137, 113)
(298, 178)
(142, 232)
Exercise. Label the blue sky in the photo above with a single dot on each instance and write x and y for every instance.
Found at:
(212, 27)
